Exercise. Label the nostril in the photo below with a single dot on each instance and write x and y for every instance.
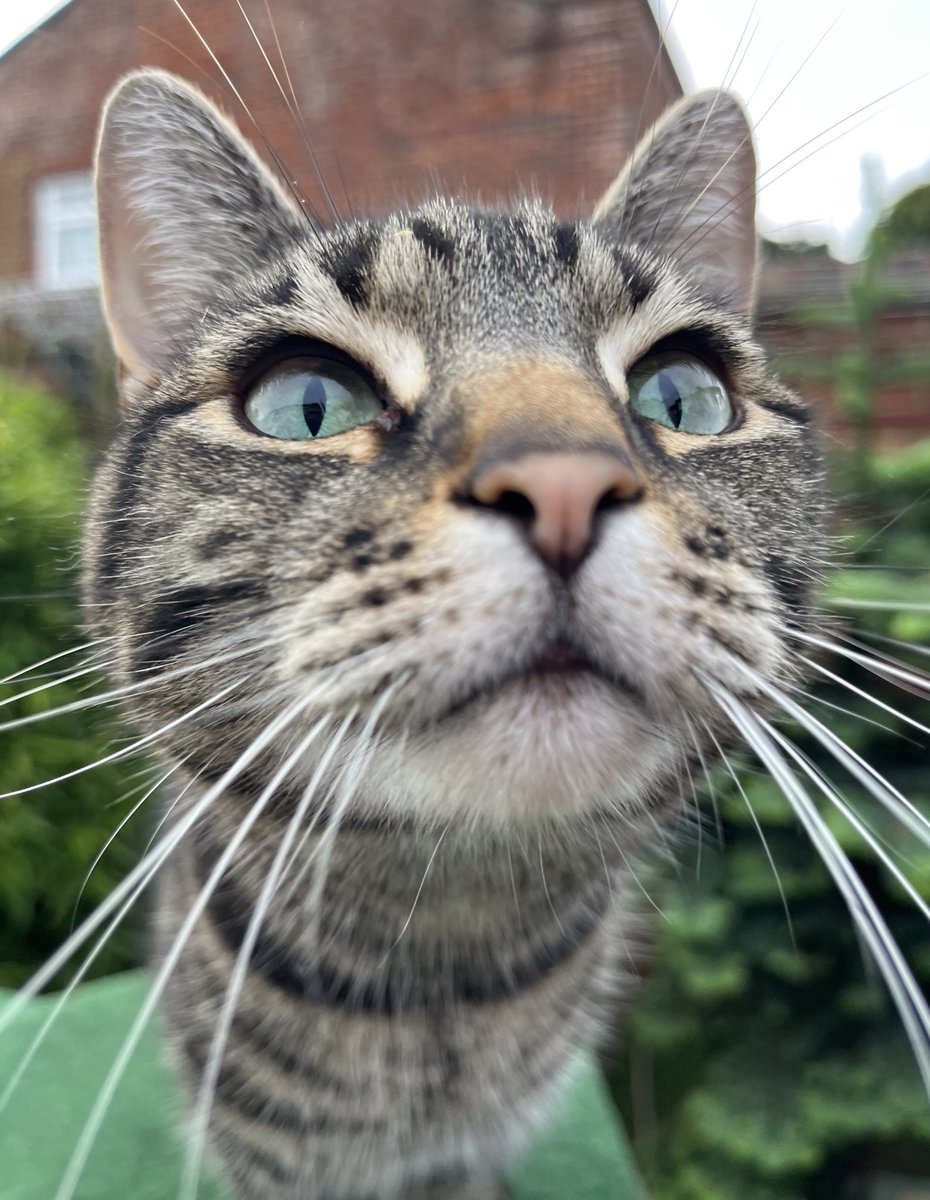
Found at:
(515, 504)
(557, 498)
(616, 497)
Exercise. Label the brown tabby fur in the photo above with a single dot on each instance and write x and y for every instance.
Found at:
(456, 925)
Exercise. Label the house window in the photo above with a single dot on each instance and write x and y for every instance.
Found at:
(66, 232)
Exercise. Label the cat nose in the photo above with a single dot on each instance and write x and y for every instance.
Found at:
(558, 497)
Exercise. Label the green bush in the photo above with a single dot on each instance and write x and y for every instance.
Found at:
(50, 837)
(776, 1066)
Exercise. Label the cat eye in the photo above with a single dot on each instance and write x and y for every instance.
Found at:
(680, 392)
(306, 398)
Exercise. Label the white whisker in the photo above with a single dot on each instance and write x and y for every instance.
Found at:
(119, 828)
(861, 692)
(759, 830)
(200, 1116)
(416, 899)
(54, 658)
(91, 1128)
(145, 869)
(903, 988)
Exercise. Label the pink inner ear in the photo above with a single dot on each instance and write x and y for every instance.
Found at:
(163, 153)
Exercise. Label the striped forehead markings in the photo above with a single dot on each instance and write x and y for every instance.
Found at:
(436, 244)
(348, 262)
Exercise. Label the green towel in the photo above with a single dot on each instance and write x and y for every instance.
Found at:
(581, 1156)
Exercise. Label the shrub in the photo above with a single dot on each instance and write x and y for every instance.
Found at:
(51, 836)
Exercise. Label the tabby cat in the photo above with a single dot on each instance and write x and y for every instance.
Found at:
(443, 546)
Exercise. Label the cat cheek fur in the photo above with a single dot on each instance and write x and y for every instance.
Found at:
(430, 752)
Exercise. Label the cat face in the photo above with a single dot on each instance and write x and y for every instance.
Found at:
(493, 492)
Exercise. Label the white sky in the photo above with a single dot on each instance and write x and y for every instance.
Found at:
(801, 66)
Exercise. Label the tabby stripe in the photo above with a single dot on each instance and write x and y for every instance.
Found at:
(404, 991)
(799, 413)
(566, 243)
(282, 292)
(175, 620)
(239, 1092)
(349, 265)
(236, 1148)
(255, 1037)
(115, 542)
(434, 242)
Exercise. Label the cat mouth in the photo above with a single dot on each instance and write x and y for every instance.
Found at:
(559, 670)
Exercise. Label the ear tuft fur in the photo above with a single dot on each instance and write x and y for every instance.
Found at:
(184, 206)
(688, 192)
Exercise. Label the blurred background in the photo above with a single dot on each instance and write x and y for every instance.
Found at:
(761, 1060)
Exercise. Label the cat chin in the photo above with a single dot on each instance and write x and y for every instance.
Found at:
(531, 751)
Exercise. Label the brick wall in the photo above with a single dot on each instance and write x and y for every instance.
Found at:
(807, 323)
(399, 98)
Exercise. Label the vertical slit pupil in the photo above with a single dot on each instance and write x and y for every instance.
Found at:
(671, 397)
(314, 405)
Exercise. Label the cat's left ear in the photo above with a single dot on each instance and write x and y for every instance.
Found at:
(185, 207)
(688, 192)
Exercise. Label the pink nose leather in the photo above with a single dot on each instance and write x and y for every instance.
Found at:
(564, 492)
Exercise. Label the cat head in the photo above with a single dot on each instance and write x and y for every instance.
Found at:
(485, 496)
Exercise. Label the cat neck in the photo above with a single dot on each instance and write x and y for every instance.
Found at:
(395, 916)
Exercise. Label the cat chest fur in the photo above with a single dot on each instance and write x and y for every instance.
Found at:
(489, 993)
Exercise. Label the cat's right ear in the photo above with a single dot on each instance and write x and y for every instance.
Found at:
(183, 205)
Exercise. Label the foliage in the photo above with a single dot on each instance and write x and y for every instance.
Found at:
(907, 222)
(50, 837)
(778, 1065)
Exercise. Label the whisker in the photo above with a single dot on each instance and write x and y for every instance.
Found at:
(707, 222)
(118, 830)
(901, 984)
(133, 748)
(70, 677)
(76, 979)
(876, 605)
(200, 1116)
(292, 106)
(915, 503)
(348, 782)
(884, 655)
(815, 698)
(91, 1128)
(741, 146)
(865, 774)
(54, 658)
(302, 202)
(132, 689)
(146, 866)
(867, 834)
(901, 676)
(416, 899)
(759, 830)
(282, 864)
(911, 647)
(634, 875)
(851, 687)
(708, 778)
(625, 218)
(695, 145)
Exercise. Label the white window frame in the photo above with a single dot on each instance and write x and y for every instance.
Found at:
(62, 204)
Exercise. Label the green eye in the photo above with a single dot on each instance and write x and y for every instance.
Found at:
(680, 392)
(306, 398)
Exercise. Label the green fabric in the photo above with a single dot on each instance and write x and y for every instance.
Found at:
(137, 1156)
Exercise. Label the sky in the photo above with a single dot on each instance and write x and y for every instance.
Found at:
(828, 83)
